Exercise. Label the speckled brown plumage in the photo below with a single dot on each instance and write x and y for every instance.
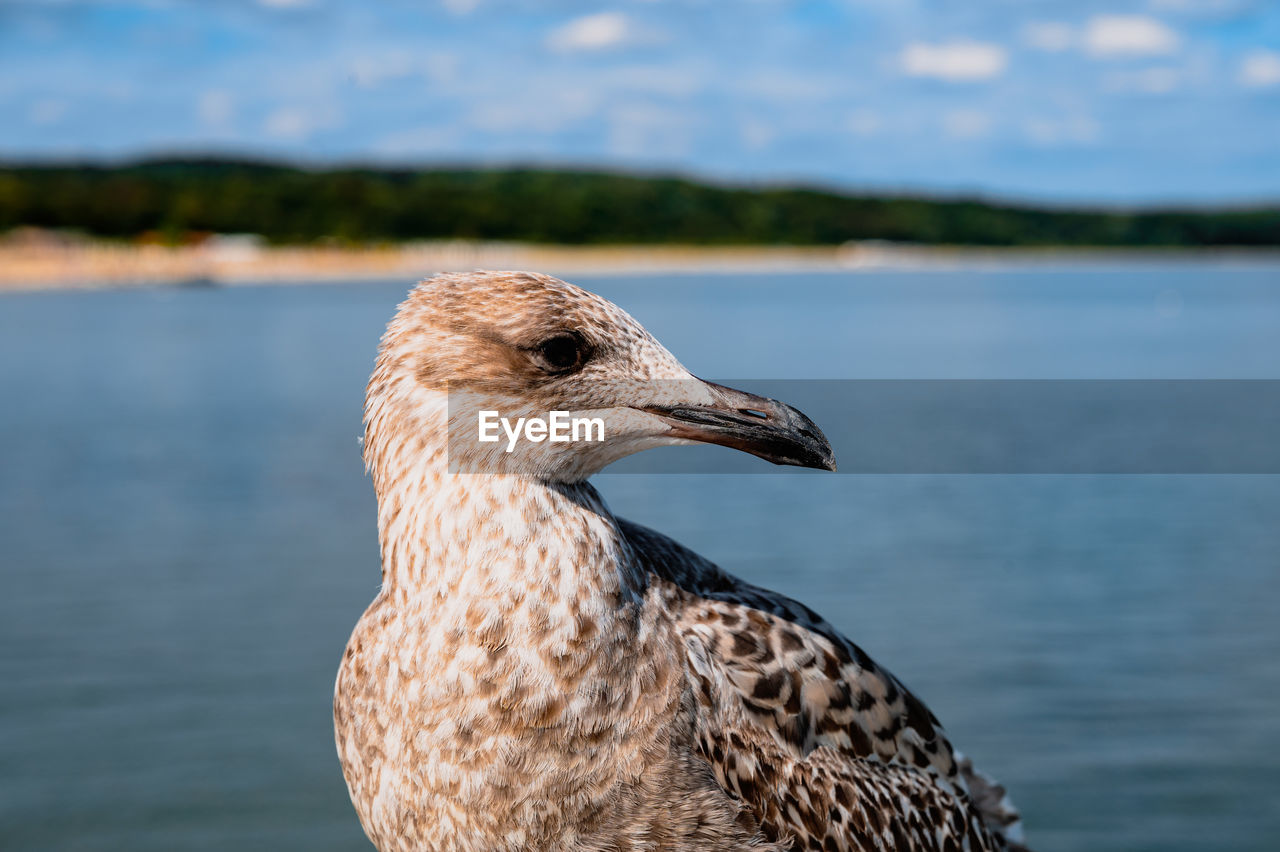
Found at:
(536, 674)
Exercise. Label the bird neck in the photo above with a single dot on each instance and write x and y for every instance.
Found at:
(450, 539)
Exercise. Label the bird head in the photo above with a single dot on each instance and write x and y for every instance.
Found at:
(503, 352)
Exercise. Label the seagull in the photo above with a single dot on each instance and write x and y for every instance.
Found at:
(536, 673)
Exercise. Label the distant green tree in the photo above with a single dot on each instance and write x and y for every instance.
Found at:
(292, 205)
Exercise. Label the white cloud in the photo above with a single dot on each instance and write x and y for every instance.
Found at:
(864, 122)
(544, 110)
(1062, 130)
(1260, 69)
(649, 131)
(1049, 36)
(46, 112)
(373, 69)
(1198, 7)
(216, 108)
(460, 7)
(785, 86)
(284, 4)
(1147, 81)
(1129, 35)
(592, 32)
(298, 123)
(757, 135)
(287, 122)
(956, 61)
(370, 70)
(440, 67)
(417, 141)
(966, 124)
(668, 79)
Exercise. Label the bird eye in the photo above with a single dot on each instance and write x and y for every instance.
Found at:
(562, 353)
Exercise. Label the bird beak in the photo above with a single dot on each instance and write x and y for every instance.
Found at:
(754, 424)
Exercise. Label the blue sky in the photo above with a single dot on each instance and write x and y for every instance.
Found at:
(1125, 101)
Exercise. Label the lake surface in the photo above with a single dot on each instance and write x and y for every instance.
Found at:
(187, 539)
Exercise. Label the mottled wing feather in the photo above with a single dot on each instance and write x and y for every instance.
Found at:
(804, 685)
(795, 673)
(810, 692)
(825, 800)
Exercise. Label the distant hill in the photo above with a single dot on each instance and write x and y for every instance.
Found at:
(288, 205)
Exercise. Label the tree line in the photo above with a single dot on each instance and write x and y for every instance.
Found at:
(287, 204)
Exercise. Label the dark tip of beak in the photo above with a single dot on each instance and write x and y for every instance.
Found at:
(754, 424)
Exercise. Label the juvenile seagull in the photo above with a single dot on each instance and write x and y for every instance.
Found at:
(537, 674)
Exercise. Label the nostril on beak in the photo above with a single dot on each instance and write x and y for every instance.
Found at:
(753, 412)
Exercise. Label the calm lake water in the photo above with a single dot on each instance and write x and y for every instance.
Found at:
(187, 538)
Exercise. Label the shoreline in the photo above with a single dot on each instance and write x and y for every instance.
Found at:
(49, 264)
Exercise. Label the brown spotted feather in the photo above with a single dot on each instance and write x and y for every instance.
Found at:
(804, 684)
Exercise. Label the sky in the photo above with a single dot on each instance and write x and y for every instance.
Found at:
(1118, 102)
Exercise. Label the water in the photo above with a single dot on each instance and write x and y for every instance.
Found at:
(187, 538)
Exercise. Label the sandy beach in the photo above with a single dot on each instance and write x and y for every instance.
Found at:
(42, 263)
(36, 260)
